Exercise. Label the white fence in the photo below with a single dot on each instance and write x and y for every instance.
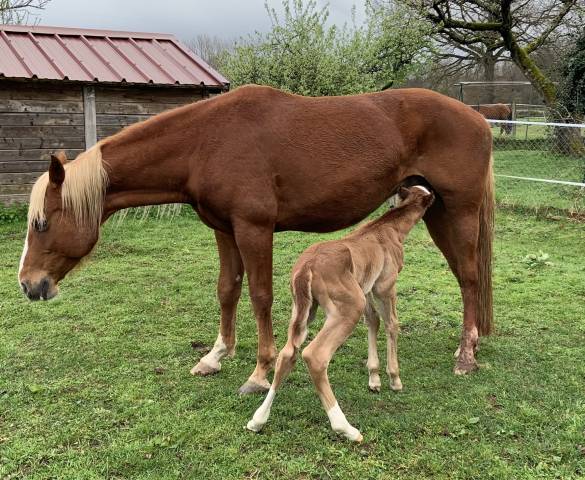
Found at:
(540, 165)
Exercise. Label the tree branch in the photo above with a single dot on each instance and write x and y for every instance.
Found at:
(567, 6)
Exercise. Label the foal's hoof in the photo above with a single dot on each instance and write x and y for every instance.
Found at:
(464, 368)
(396, 385)
(203, 369)
(374, 388)
(253, 387)
(255, 427)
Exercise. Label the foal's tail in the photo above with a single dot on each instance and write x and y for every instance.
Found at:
(302, 305)
(485, 314)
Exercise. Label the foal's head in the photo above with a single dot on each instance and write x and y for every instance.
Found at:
(63, 222)
(417, 195)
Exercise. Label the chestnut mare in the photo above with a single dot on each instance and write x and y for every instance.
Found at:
(257, 160)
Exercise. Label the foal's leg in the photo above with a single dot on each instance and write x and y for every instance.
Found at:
(456, 234)
(373, 321)
(229, 287)
(297, 333)
(388, 308)
(255, 245)
(342, 317)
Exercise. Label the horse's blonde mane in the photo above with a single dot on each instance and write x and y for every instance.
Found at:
(82, 192)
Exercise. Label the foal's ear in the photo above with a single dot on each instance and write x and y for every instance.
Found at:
(403, 193)
(429, 199)
(56, 171)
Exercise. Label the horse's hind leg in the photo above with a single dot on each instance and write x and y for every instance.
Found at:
(297, 333)
(229, 287)
(456, 233)
(373, 322)
(343, 313)
(392, 328)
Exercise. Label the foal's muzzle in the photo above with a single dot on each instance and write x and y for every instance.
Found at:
(45, 289)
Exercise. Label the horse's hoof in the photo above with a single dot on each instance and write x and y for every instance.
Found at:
(396, 385)
(374, 388)
(254, 427)
(203, 369)
(253, 387)
(464, 368)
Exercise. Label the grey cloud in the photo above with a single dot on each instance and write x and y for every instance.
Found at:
(184, 18)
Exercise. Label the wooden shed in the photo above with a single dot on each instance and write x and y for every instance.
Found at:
(64, 89)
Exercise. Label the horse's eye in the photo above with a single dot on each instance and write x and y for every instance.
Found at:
(40, 225)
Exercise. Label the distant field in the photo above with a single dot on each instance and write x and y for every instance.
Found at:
(96, 383)
(533, 154)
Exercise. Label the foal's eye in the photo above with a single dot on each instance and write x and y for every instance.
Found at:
(40, 225)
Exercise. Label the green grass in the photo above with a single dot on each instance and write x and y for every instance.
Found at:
(532, 153)
(519, 160)
(95, 384)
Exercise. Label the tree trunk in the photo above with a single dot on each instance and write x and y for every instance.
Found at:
(523, 60)
(489, 75)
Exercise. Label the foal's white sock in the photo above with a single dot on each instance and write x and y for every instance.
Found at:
(339, 424)
(261, 416)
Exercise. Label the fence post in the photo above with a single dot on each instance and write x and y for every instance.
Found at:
(514, 117)
(89, 116)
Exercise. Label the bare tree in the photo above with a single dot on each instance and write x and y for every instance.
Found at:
(20, 11)
(485, 32)
(210, 49)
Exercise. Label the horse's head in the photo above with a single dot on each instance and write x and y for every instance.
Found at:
(60, 230)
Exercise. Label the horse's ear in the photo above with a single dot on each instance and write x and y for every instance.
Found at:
(62, 157)
(56, 171)
(403, 193)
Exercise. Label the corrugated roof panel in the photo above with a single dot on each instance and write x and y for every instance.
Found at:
(205, 74)
(34, 58)
(10, 65)
(123, 64)
(154, 74)
(167, 62)
(101, 55)
(70, 66)
(99, 70)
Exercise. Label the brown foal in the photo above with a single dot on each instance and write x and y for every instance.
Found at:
(338, 276)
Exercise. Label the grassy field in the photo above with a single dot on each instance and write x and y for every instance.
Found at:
(535, 159)
(95, 384)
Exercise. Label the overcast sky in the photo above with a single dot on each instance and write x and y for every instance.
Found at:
(184, 18)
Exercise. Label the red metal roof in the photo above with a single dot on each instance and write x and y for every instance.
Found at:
(101, 55)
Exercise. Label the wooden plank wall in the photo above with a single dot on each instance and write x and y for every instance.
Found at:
(37, 119)
(118, 107)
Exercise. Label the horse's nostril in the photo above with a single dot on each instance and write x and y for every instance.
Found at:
(24, 287)
(44, 288)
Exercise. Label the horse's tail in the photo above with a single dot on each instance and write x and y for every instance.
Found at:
(485, 314)
(302, 304)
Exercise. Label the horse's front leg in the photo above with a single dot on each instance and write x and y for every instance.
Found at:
(255, 245)
(229, 287)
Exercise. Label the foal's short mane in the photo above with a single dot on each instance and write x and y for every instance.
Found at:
(82, 192)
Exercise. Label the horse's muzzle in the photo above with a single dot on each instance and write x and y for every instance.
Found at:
(45, 289)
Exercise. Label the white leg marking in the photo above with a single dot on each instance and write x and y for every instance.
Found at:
(261, 415)
(340, 425)
(23, 256)
(214, 357)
